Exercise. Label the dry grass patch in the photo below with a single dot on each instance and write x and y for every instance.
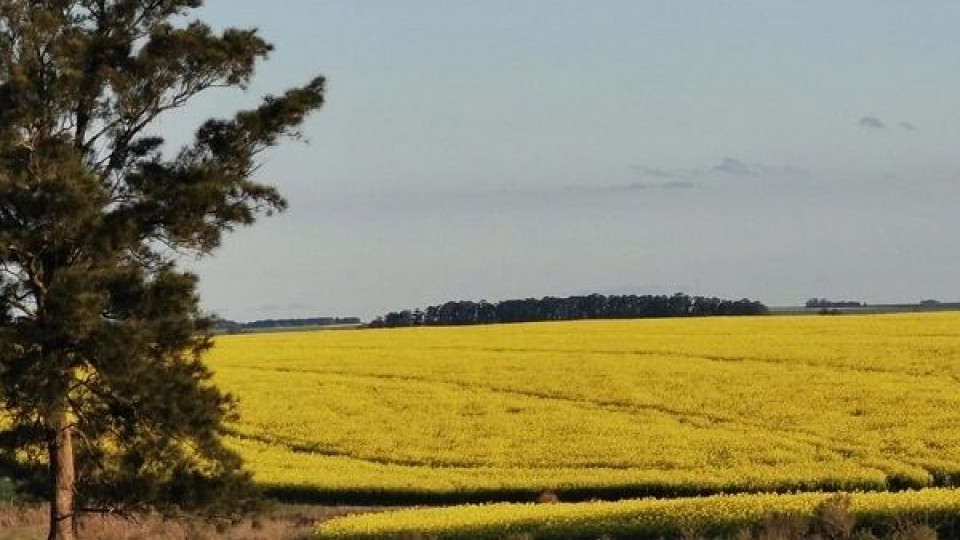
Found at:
(29, 522)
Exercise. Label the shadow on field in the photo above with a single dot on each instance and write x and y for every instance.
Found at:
(398, 497)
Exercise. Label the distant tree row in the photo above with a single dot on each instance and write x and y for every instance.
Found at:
(225, 325)
(594, 306)
(826, 303)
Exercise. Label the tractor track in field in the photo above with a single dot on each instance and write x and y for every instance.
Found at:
(840, 448)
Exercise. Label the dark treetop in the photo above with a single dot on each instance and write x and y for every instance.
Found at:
(550, 308)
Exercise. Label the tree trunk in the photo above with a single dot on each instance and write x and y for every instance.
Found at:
(63, 475)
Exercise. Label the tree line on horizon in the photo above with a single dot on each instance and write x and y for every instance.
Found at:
(549, 308)
(827, 303)
(229, 326)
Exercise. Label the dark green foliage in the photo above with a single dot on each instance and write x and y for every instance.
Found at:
(549, 308)
(100, 333)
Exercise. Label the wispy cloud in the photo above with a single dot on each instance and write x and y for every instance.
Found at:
(664, 174)
(728, 166)
(872, 122)
(671, 185)
(734, 167)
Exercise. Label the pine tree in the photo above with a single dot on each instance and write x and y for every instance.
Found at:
(101, 337)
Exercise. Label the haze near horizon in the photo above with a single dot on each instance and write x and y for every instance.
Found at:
(503, 149)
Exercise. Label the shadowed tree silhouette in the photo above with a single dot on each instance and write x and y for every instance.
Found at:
(100, 332)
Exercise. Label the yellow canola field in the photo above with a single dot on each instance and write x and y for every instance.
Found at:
(709, 517)
(600, 408)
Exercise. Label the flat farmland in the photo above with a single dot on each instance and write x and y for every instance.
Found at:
(599, 409)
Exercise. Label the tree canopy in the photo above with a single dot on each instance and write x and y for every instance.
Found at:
(101, 335)
(550, 308)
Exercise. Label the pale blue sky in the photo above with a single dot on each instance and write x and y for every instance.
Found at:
(495, 149)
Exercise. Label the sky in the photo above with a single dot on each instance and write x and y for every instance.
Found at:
(776, 150)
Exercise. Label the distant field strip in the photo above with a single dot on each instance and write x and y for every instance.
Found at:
(600, 408)
(709, 517)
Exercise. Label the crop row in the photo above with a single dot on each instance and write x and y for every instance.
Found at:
(711, 517)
